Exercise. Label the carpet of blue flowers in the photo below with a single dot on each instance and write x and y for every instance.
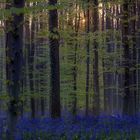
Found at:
(78, 128)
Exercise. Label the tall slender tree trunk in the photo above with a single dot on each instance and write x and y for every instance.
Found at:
(125, 41)
(54, 57)
(77, 25)
(88, 57)
(138, 55)
(119, 101)
(31, 51)
(103, 63)
(96, 103)
(133, 57)
(42, 80)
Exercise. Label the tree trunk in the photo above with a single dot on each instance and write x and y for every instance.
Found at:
(14, 55)
(88, 58)
(14, 60)
(125, 33)
(31, 57)
(138, 56)
(54, 58)
(133, 58)
(95, 60)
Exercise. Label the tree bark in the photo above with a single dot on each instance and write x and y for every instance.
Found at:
(14, 55)
(88, 57)
(125, 42)
(14, 63)
(54, 58)
(95, 59)
(133, 58)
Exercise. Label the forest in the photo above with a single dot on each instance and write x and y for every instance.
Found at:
(69, 70)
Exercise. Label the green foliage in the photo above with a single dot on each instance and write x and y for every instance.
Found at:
(73, 45)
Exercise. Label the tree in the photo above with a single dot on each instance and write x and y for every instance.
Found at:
(54, 58)
(133, 57)
(88, 56)
(138, 55)
(14, 55)
(14, 59)
(95, 59)
(31, 63)
(125, 42)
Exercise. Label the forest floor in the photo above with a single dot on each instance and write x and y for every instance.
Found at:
(77, 128)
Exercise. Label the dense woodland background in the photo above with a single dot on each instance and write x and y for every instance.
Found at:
(81, 56)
